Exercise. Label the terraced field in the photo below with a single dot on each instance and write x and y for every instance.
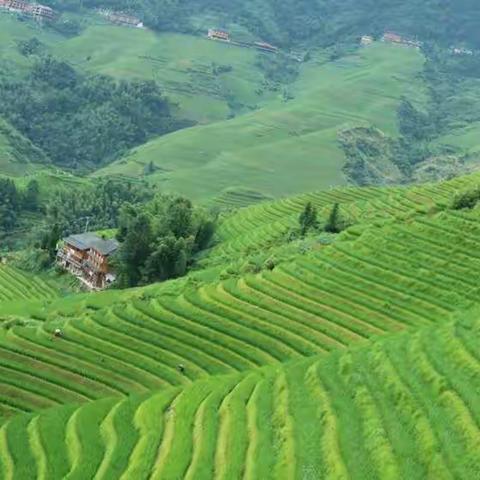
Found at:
(17, 285)
(258, 226)
(390, 278)
(404, 407)
(355, 360)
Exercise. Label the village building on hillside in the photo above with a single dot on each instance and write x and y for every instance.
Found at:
(214, 34)
(461, 51)
(35, 10)
(121, 18)
(395, 38)
(366, 40)
(125, 20)
(266, 47)
(87, 256)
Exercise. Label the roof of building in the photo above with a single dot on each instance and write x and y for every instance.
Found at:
(86, 241)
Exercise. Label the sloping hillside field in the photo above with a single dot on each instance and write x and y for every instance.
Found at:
(200, 75)
(287, 147)
(404, 407)
(355, 359)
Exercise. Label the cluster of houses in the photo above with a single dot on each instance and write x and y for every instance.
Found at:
(35, 10)
(224, 36)
(121, 18)
(87, 256)
(394, 38)
(461, 51)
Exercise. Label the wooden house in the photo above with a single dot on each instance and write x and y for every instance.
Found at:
(87, 256)
(266, 47)
(367, 40)
(41, 11)
(37, 11)
(390, 37)
(214, 34)
(121, 18)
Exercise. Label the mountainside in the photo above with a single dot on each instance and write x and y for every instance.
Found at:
(259, 149)
(222, 258)
(18, 156)
(408, 264)
(296, 22)
(384, 114)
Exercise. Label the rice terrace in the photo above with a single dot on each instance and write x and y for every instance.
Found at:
(239, 240)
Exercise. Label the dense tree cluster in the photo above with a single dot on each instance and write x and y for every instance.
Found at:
(95, 207)
(14, 201)
(466, 200)
(80, 120)
(159, 240)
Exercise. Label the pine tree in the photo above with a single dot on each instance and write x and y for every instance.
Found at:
(333, 222)
(308, 218)
(31, 198)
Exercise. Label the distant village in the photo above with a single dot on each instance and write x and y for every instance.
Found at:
(42, 12)
(396, 39)
(121, 18)
(224, 36)
(34, 10)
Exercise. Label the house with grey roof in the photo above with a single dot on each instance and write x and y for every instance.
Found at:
(87, 255)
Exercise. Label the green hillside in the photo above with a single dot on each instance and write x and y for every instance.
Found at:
(18, 156)
(358, 287)
(258, 150)
(186, 66)
(297, 372)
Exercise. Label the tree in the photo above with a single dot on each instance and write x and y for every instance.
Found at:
(204, 234)
(179, 217)
(466, 200)
(333, 222)
(50, 240)
(134, 252)
(308, 218)
(149, 168)
(33, 46)
(168, 260)
(10, 204)
(31, 198)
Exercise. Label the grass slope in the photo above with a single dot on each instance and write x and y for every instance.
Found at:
(182, 64)
(18, 156)
(402, 407)
(284, 148)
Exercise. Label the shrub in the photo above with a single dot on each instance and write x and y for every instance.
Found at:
(468, 199)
